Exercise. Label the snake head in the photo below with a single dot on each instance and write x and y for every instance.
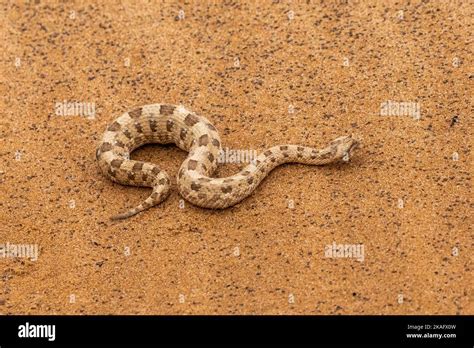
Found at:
(344, 146)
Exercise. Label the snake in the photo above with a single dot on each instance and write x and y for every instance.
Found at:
(193, 133)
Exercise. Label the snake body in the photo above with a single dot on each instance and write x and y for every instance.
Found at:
(164, 123)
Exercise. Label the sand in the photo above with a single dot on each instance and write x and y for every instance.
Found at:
(265, 74)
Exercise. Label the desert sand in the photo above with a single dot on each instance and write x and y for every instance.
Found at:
(398, 75)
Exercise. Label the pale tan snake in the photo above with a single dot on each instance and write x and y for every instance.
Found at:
(163, 123)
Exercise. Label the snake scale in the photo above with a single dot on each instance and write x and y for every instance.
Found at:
(164, 123)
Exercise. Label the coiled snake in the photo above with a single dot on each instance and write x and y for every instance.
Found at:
(163, 123)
